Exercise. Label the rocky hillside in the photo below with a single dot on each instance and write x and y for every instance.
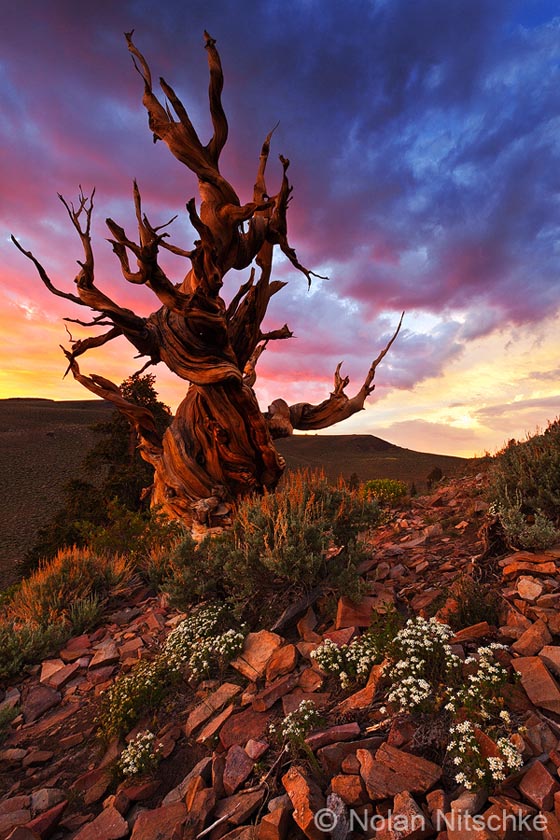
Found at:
(222, 774)
(43, 444)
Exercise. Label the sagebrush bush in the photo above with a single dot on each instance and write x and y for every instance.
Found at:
(28, 642)
(73, 575)
(534, 532)
(529, 471)
(7, 715)
(292, 540)
(137, 533)
(386, 491)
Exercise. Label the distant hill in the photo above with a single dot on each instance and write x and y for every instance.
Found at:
(367, 456)
(43, 443)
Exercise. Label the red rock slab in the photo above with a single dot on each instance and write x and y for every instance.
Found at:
(306, 798)
(291, 702)
(209, 730)
(78, 642)
(242, 726)
(266, 698)
(15, 803)
(201, 769)
(53, 720)
(239, 807)
(93, 784)
(106, 654)
(37, 757)
(73, 655)
(199, 807)
(22, 832)
(138, 791)
(50, 667)
(283, 661)
(550, 655)
(243, 832)
(342, 732)
(541, 688)
(275, 826)
(109, 825)
(517, 567)
(101, 674)
(350, 788)
(538, 787)
(341, 637)
(393, 771)
(470, 634)
(363, 698)
(40, 699)
(255, 749)
(310, 680)
(13, 819)
(212, 703)
(238, 767)
(306, 626)
(257, 650)
(63, 676)
(551, 828)
(407, 821)
(350, 614)
(331, 757)
(533, 639)
(160, 824)
(351, 765)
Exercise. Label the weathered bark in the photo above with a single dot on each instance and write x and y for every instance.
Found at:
(219, 446)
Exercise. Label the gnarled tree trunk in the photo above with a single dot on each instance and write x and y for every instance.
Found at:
(219, 446)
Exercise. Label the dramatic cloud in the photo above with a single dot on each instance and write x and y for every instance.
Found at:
(425, 147)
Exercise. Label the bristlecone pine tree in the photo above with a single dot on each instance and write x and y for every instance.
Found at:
(219, 446)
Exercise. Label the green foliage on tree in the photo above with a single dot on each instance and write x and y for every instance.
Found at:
(91, 505)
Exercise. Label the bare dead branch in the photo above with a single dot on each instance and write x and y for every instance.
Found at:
(275, 335)
(306, 417)
(141, 418)
(219, 121)
(44, 276)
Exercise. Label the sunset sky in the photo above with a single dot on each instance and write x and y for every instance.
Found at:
(424, 139)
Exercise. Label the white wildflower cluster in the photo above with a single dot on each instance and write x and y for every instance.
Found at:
(473, 770)
(481, 690)
(124, 700)
(424, 660)
(351, 663)
(198, 643)
(409, 693)
(140, 756)
(297, 724)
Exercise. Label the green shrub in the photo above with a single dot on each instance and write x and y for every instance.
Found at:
(22, 644)
(289, 541)
(476, 602)
(136, 533)
(204, 642)
(133, 694)
(386, 491)
(529, 472)
(73, 575)
(85, 613)
(7, 715)
(534, 532)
